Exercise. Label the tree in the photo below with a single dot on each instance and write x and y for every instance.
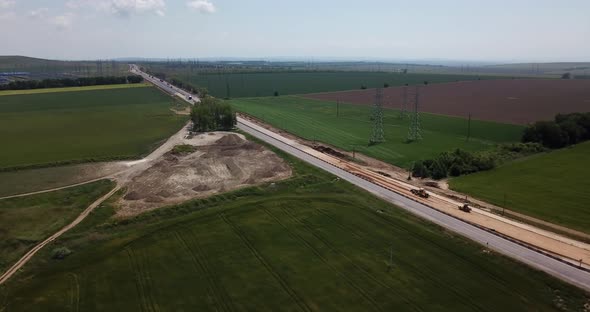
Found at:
(566, 76)
(547, 133)
(420, 170)
(212, 114)
(439, 170)
(276, 93)
(386, 85)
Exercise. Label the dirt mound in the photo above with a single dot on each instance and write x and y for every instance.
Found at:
(216, 166)
(229, 139)
(133, 196)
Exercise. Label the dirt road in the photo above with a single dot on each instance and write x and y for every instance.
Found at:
(22, 261)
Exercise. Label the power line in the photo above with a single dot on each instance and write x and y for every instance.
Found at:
(377, 118)
(415, 131)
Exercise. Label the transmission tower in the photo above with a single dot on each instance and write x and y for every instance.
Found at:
(377, 118)
(415, 131)
(403, 112)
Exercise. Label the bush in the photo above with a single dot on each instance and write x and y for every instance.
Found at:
(60, 253)
(212, 114)
(460, 162)
(565, 130)
(419, 170)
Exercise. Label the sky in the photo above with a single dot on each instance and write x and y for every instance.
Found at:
(470, 30)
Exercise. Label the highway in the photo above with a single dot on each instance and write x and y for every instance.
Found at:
(540, 261)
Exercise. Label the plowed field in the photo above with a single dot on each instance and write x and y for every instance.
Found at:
(518, 101)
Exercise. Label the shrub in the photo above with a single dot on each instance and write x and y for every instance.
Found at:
(60, 253)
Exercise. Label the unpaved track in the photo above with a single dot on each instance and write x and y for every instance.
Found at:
(51, 238)
(53, 189)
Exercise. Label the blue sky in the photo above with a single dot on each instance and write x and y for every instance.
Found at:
(517, 30)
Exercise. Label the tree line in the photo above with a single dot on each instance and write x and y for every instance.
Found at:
(70, 82)
(213, 114)
(564, 130)
(460, 162)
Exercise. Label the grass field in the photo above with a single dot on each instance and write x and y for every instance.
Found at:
(318, 120)
(49, 128)
(288, 83)
(552, 187)
(310, 243)
(74, 89)
(28, 220)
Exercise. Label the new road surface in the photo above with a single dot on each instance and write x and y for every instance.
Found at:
(538, 260)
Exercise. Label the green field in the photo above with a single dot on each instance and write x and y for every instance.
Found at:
(318, 120)
(288, 83)
(74, 89)
(311, 243)
(49, 128)
(26, 221)
(552, 187)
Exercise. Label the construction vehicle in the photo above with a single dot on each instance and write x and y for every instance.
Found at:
(420, 192)
(465, 208)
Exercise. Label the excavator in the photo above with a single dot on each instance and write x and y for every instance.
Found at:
(465, 208)
(420, 192)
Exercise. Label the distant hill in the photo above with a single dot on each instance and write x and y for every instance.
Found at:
(43, 68)
(556, 68)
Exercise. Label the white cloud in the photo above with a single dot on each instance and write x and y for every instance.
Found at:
(62, 22)
(123, 8)
(5, 4)
(203, 6)
(38, 13)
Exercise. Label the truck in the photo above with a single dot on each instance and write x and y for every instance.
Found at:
(420, 192)
(465, 208)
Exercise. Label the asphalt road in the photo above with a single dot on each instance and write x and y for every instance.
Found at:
(494, 242)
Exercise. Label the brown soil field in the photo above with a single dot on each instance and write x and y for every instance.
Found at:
(221, 162)
(516, 101)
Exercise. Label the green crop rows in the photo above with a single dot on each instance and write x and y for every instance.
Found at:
(56, 128)
(350, 128)
(553, 187)
(311, 243)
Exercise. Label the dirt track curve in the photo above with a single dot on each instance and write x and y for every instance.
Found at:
(22, 261)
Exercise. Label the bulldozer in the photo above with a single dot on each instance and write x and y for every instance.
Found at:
(420, 192)
(465, 208)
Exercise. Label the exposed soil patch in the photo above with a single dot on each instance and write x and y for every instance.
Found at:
(329, 151)
(222, 162)
(518, 101)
